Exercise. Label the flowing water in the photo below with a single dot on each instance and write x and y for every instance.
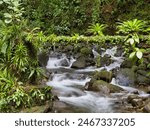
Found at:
(69, 84)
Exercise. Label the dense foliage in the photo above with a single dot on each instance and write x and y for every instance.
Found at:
(27, 25)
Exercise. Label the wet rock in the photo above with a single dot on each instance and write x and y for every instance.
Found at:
(135, 92)
(148, 90)
(43, 59)
(64, 62)
(106, 60)
(62, 107)
(137, 102)
(103, 75)
(90, 61)
(85, 51)
(68, 48)
(119, 51)
(127, 63)
(126, 77)
(131, 98)
(102, 87)
(80, 63)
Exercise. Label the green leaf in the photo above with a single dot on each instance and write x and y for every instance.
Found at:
(8, 20)
(18, 103)
(1, 2)
(7, 15)
(32, 72)
(139, 54)
(131, 41)
(132, 55)
(4, 48)
(137, 40)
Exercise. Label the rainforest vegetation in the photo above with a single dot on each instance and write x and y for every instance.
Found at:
(31, 27)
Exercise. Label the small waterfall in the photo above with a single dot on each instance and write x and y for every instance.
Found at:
(111, 52)
(69, 85)
(63, 61)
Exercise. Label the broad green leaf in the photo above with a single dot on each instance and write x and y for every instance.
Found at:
(132, 55)
(131, 41)
(137, 49)
(139, 54)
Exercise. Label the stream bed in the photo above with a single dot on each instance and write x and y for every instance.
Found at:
(69, 85)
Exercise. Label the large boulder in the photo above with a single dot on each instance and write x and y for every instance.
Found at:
(80, 63)
(127, 63)
(137, 102)
(102, 87)
(126, 77)
(103, 75)
(106, 60)
(64, 62)
(85, 51)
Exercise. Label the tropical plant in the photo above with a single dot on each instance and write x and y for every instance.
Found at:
(18, 57)
(137, 53)
(134, 26)
(39, 95)
(97, 29)
(19, 98)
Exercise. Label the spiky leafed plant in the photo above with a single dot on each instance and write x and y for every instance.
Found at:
(134, 26)
(97, 29)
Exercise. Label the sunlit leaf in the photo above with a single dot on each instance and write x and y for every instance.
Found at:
(8, 20)
(139, 54)
(7, 15)
(32, 72)
(131, 41)
(132, 55)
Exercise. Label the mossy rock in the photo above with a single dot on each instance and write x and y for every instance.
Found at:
(127, 63)
(106, 60)
(86, 51)
(103, 75)
(103, 87)
(80, 63)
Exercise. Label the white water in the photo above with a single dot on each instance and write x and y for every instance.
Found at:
(70, 85)
(91, 101)
(54, 62)
(130, 89)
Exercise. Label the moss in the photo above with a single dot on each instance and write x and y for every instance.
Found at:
(86, 51)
